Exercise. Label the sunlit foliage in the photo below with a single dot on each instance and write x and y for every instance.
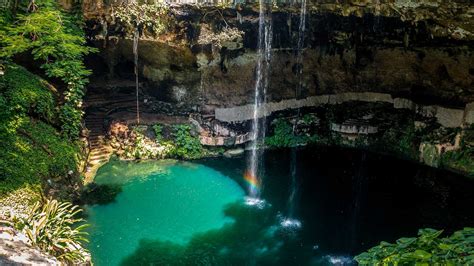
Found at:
(54, 228)
(31, 147)
(152, 18)
(426, 249)
(186, 145)
(54, 39)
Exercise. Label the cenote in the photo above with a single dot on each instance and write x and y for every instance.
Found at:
(197, 213)
(230, 132)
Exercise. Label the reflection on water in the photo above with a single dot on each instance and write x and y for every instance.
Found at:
(256, 237)
(123, 172)
(253, 239)
(170, 201)
(197, 214)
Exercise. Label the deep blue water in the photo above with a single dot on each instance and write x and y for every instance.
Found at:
(346, 202)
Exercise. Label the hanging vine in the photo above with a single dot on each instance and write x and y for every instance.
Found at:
(56, 39)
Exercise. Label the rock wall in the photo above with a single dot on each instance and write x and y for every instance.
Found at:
(447, 117)
(16, 250)
(419, 50)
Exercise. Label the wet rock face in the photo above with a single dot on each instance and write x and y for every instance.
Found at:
(421, 50)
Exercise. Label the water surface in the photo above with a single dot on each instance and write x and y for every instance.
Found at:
(174, 213)
(168, 200)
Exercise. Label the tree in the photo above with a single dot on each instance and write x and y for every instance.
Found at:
(55, 39)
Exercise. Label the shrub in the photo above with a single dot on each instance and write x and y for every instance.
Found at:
(55, 39)
(158, 129)
(25, 93)
(31, 148)
(284, 137)
(52, 227)
(426, 249)
(186, 145)
(463, 158)
(153, 17)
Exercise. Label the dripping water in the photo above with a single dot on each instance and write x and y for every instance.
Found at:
(292, 200)
(255, 169)
(136, 36)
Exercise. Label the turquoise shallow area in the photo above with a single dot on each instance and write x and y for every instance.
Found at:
(168, 201)
(339, 203)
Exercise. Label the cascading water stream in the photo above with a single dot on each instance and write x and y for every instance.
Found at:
(255, 169)
(136, 37)
(290, 220)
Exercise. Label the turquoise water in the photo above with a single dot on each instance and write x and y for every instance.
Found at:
(177, 213)
(168, 201)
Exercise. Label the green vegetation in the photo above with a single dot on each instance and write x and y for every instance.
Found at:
(153, 18)
(158, 129)
(53, 227)
(399, 141)
(283, 135)
(186, 145)
(39, 124)
(426, 249)
(463, 158)
(170, 141)
(55, 39)
(31, 147)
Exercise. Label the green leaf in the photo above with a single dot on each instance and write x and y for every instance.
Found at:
(421, 254)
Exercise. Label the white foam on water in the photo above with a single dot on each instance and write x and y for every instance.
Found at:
(259, 203)
(290, 223)
(339, 260)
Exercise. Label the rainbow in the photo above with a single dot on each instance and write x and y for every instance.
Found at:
(253, 182)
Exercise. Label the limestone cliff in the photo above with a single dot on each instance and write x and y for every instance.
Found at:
(421, 50)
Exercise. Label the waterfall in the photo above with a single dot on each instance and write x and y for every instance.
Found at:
(255, 167)
(293, 167)
(300, 47)
(136, 37)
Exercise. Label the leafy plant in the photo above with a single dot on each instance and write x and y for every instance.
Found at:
(400, 140)
(152, 16)
(462, 159)
(426, 249)
(54, 39)
(52, 227)
(31, 147)
(227, 34)
(283, 136)
(158, 129)
(186, 145)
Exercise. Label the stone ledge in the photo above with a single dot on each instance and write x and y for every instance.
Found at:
(447, 117)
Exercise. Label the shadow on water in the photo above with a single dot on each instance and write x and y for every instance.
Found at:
(100, 194)
(347, 201)
(255, 238)
(350, 200)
